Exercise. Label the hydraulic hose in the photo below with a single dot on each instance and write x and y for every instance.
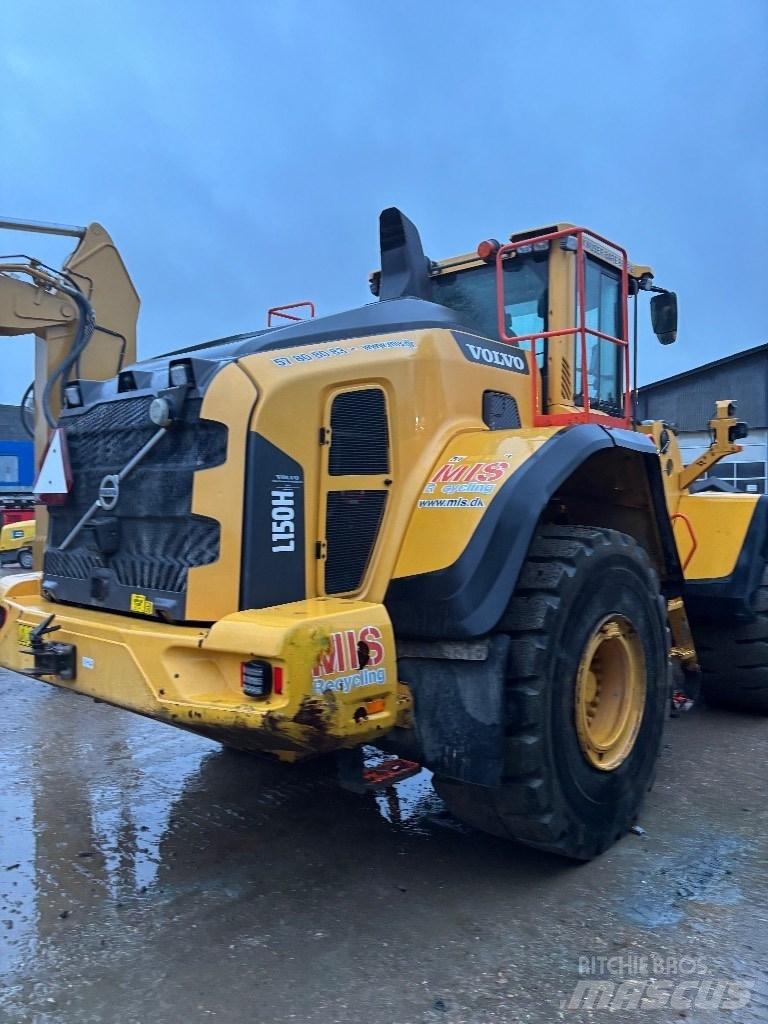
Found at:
(28, 394)
(84, 333)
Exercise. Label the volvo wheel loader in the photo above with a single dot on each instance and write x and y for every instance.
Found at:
(431, 524)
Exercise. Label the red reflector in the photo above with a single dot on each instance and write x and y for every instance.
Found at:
(54, 480)
(277, 679)
(487, 250)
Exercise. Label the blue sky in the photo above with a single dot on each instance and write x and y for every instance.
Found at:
(239, 152)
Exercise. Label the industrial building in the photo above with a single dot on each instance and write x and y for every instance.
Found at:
(17, 456)
(687, 401)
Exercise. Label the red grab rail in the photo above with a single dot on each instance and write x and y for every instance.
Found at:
(580, 329)
(691, 534)
(281, 311)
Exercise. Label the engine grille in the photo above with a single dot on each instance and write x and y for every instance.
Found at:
(500, 411)
(359, 433)
(157, 538)
(352, 525)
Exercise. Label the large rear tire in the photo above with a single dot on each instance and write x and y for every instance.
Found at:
(734, 658)
(586, 696)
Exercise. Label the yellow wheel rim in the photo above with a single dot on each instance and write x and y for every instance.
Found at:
(610, 693)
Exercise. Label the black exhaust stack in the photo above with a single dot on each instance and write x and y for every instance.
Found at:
(404, 267)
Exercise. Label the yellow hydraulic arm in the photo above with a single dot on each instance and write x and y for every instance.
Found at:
(34, 299)
(92, 292)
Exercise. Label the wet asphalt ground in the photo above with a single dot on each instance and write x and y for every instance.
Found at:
(147, 875)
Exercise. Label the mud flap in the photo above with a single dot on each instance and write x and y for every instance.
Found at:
(458, 710)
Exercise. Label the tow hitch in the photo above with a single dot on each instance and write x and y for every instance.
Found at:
(51, 659)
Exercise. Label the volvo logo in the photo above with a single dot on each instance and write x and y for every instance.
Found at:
(109, 491)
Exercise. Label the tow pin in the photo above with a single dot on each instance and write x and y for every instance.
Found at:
(36, 635)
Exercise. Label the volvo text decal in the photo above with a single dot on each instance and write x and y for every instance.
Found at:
(491, 353)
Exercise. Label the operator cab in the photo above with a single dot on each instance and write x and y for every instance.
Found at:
(532, 293)
(559, 292)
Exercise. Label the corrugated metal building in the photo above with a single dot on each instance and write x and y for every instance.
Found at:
(687, 401)
(17, 456)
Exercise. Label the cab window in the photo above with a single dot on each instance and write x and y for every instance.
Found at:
(472, 294)
(604, 359)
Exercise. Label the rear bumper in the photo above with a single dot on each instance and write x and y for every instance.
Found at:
(190, 676)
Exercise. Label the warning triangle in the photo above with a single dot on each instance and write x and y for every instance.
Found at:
(54, 479)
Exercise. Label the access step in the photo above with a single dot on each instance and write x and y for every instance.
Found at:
(386, 774)
(358, 777)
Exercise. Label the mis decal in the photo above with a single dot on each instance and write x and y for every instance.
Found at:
(353, 660)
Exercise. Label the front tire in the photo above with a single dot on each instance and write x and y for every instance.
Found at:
(25, 558)
(734, 658)
(586, 696)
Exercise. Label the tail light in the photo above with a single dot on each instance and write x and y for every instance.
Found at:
(256, 678)
(260, 678)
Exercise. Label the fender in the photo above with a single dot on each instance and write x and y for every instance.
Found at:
(732, 596)
(468, 597)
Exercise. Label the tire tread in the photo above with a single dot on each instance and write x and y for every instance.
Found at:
(734, 657)
(526, 806)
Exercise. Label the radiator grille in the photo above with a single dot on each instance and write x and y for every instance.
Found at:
(500, 411)
(359, 433)
(158, 537)
(352, 526)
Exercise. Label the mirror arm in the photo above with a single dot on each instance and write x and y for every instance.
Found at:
(646, 286)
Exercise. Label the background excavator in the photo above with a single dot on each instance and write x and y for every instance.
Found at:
(431, 523)
(58, 307)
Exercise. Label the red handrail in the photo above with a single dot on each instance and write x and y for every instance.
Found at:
(281, 311)
(691, 533)
(580, 329)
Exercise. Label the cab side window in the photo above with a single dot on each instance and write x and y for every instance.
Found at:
(604, 359)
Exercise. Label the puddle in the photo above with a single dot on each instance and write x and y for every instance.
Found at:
(127, 808)
(702, 872)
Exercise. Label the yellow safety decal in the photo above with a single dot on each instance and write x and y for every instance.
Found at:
(141, 604)
(23, 634)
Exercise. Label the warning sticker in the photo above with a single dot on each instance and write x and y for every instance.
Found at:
(142, 605)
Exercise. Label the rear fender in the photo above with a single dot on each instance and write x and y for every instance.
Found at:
(729, 567)
(585, 474)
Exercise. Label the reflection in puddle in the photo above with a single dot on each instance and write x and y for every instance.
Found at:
(410, 803)
(82, 814)
(17, 875)
(100, 808)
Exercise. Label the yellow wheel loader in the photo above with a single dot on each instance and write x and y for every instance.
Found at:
(430, 523)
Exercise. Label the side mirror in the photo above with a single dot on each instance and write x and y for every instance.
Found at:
(664, 317)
